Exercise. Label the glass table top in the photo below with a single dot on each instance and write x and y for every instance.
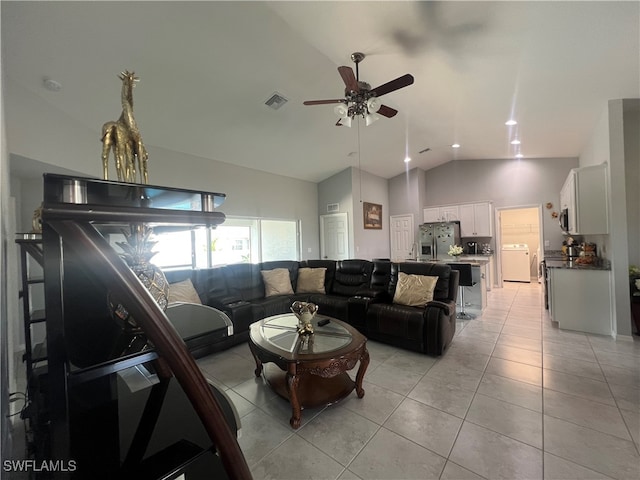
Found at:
(281, 332)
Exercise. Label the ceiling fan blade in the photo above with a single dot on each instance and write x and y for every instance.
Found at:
(323, 102)
(349, 78)
(400, 82)
(387, 111)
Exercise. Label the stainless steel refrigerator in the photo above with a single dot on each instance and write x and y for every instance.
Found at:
(436, 238)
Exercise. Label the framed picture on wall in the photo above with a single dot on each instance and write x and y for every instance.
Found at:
(372, 215)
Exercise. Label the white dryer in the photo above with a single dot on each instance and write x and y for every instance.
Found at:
(516, 263)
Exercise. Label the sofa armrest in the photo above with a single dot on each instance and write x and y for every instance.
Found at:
(442, 305)
(224, 300)
(192, 319)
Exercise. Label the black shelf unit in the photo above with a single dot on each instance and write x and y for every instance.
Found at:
(31, 254)
(105, 427)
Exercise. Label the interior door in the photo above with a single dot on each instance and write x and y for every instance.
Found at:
(334, 237)
(402, 237)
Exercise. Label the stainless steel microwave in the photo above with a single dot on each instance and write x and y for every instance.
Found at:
(564, 220)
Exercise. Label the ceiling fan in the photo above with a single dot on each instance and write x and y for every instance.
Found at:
(360, 98)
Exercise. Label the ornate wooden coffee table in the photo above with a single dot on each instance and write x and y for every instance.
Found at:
(312, 370)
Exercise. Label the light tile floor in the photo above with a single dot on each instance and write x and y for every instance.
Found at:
(512, 398)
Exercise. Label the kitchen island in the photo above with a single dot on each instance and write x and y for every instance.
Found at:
(580, 295)
(475, 297)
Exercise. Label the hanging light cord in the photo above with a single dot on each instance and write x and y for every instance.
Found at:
(359, 157)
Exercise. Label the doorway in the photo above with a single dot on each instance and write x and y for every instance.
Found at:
(519, 226)
(334, 236)
(402, 237)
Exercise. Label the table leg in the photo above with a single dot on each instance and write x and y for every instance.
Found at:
(258, 370)
(292, 390)
(364, 363)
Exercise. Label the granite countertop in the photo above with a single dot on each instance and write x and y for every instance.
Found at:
(475, 260)
(600, 264)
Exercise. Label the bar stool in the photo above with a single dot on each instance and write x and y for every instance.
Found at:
(466, 280)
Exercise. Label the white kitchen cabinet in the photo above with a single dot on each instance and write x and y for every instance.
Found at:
(445, 213)
(580, 299)
(584, 195)
(450, 213)
(475, 220)
(431, 214)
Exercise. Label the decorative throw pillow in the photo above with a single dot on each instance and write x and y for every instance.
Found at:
(183, 291)
(311, 280)
(414, 290)
(276, 282)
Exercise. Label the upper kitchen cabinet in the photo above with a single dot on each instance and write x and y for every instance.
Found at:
(450, 213)
(446, 213)
(584, 197)
(476, 220)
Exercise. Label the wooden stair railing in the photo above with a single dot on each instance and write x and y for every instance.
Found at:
(83, 237)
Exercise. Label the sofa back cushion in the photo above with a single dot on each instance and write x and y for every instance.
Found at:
(244, 280)
(330, 265)
(414, 290)
(290, 265)
(210, 283)
(441, 270)
(351, 276)
(311, 280)
(276, 282)
(183, 291)
(381, 275)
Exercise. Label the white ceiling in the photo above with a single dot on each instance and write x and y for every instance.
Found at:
(206, 69)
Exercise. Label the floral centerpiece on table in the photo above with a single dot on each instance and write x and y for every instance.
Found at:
(455, 250)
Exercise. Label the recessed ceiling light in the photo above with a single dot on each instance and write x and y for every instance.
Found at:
(519, 155)
(510, 122)
(515, 142)
(455, 145)
(407, 159)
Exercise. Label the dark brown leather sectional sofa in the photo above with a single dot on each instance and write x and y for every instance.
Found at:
(358, 292)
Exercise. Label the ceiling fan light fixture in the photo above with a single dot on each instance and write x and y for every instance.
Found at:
(370, 118)
(346, 121)
(359, 98)
(373, 104)
(341, 110)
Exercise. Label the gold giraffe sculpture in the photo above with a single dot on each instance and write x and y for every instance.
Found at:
(123, 137)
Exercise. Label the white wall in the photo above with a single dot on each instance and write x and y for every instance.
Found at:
(369, 243)
(632, 176)
(5, 332)
(339, 189)
(37, 131)
(407, 193)
(615, 141)
(349, 188)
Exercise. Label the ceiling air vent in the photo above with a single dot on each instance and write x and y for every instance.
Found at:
(276, 101)
(333, 207)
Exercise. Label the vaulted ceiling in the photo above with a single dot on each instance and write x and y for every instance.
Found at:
(207, 68)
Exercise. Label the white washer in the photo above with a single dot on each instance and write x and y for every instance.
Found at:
(516, 262)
